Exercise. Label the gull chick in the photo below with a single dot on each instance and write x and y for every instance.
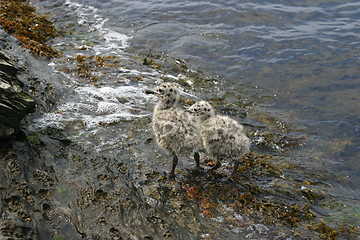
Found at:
(175, 129)
(222, 137)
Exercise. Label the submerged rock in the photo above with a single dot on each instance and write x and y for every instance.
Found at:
(14, 102)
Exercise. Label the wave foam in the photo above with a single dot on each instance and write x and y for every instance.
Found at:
(98, 106)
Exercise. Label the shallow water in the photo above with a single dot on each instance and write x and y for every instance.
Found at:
(292, 67)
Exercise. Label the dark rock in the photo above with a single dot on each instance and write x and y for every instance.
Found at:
(14, 102)
(6, 66)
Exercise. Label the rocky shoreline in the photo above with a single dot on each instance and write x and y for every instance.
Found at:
(20, 25)
(40, 198)
(15, 103)
(26, 178)
(51, 187)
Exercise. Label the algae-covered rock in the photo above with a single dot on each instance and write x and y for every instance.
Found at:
(14, 102)
(19, 18)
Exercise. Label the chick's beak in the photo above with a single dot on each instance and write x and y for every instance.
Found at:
(148, 91)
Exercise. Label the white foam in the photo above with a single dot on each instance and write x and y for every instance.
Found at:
(109, 94)
(98, 106)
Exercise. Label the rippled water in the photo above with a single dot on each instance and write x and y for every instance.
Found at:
(292, 66)
(302, 55)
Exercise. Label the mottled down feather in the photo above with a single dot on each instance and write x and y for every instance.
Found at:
(223, 137)
(175, 131)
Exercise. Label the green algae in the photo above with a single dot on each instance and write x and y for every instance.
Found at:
(33, 138)
(20, 19)
(58, 237)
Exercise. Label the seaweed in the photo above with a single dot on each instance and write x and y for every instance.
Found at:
(90, 68)
(19, 18)
(262, 192)
(152, 63)
(327, 232)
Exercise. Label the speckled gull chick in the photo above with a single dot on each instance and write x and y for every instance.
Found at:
(222, 137)
(175, 129)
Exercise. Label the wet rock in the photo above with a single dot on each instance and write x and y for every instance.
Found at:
(14, 102)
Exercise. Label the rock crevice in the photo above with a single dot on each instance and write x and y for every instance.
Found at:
(15, 103)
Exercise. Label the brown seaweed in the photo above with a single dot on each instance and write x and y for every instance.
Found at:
(20, 19)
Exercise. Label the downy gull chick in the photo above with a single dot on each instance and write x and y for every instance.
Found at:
(222, 137)
(175, 129)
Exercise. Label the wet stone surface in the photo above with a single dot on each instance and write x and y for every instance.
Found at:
(14, 102)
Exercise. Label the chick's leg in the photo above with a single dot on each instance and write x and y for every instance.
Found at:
(174, 163)
(197, 160)
(236, 166)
